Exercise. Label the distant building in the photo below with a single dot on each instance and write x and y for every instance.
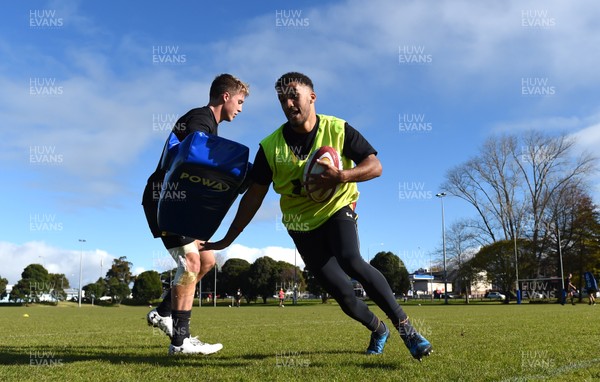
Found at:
(5, 299)
(481, 286)
(73, 293)
(426, 284)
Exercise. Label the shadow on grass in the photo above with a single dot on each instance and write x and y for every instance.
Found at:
(30, 355)
(119, 354)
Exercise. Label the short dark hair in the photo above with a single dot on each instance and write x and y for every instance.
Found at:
(292, 77)
(226, 83)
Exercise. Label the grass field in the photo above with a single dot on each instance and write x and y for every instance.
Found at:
(307, 342)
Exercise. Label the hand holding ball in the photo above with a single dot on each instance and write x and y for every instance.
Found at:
(325, 154)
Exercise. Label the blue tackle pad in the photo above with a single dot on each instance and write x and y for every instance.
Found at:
(590, 281)
(204, 175)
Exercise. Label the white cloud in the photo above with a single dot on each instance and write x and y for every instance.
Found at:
(15, 257)
(589, 138)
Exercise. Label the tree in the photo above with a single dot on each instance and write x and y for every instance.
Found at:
(95, 290)
(290, 276)
(147, 286)
(497, 260)
(393, 270)
(489, 183)
(3, 284)
(234, 275)
(118, 278)
(59, 282)
(549, 171)
(511, 184)
(578, 221)
(33, 284)
(166, 278)
(117, 290)
(263, 277)
(120, 270)
(461, 245)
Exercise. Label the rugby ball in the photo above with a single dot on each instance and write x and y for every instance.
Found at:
(325, 154)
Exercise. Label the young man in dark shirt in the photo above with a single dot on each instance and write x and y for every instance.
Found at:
(227, 95)
(325, 233)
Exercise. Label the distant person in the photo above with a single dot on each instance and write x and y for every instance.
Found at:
(591, 287)
(281, 297)
(238, 297)
(325, 234)
(172, 316)
(591, 293)
(571, 289)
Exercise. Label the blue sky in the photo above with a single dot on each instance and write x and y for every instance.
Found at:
(90, 89)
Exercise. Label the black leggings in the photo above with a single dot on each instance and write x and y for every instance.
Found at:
(331, 253)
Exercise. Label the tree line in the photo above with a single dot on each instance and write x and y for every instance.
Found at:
(258, 280)
(533, 212)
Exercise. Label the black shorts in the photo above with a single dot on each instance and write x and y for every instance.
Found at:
(173, 241)
(150, 205)
(316, 246)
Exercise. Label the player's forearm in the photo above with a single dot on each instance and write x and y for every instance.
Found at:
(368, 169)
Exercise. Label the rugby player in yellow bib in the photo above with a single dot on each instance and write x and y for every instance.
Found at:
(326, 233)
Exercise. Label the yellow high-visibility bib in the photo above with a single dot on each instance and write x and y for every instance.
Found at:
(299, 212)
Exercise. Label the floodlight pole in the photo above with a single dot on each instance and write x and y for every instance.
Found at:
(562, 275)
(431, 278)
(215, 287)
(517, 269)
(295, 279)
(80, 267)
(441, 196)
